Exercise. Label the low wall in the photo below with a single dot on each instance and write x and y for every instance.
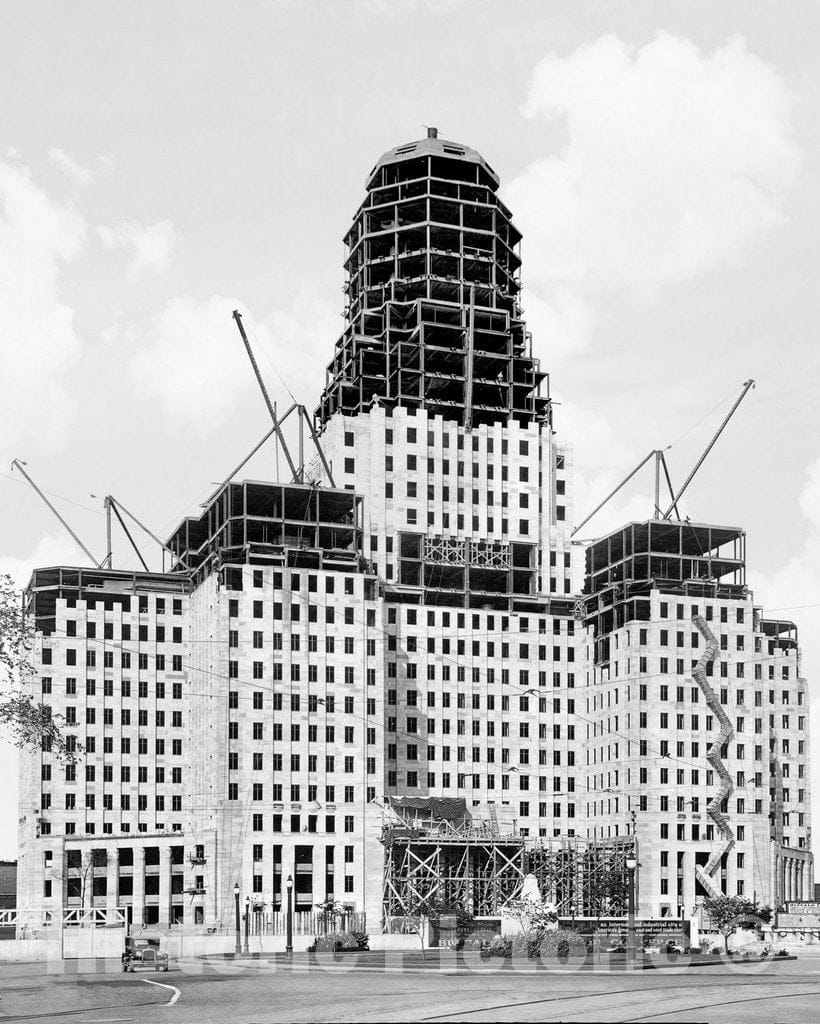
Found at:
(30, 951)
(402, 942)
(73, 944)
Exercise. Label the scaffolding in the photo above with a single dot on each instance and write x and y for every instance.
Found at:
(476, 865)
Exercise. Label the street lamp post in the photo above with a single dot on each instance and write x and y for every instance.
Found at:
(289, 943)
(631, 864)
(247, 922)
(238, 948)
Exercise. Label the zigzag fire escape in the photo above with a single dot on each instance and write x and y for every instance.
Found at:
(706, 875)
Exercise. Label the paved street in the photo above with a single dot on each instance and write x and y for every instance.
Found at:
(261, 992)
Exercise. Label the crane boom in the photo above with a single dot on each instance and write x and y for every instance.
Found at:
(747, 386)
(17, 464)
(612, 493)
(279, 435)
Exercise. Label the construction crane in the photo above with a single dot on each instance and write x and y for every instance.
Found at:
(298, 472)
(747, 386)
(660, 463)
(114, 505)
(18, 464)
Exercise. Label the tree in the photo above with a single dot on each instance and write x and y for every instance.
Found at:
(30, 722)
(331, 910)
(608, 888)
(532, 915)
(728, 913)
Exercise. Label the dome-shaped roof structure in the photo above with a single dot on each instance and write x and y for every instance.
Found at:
(432, 146)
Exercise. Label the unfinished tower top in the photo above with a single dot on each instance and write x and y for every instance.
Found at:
(432, 146)
(433, 318)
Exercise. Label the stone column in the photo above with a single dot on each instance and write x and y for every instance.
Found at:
(165, 887)
(58, 883)
(112, 897)
(138, 899)
(86, 879)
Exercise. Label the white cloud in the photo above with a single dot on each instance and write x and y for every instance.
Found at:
(602, 460)
(74, 171)
(797, 583)
(300, 340)
(51, 549)
(105, 163)
(192, 360)
(151, 246)
(37, 237)
(562, 326)
(675, 162)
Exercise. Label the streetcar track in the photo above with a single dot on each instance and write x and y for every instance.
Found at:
(82, 1009)
(624, 991)
(710, 1006)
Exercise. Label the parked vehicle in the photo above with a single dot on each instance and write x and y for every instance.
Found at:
(143, 953)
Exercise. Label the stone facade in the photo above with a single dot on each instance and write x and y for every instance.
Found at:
(406, 628)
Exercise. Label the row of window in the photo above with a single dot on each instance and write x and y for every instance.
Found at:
(295, 674)
(412, 726)
(432, 517)
(680, 668)
(680, 613)
(740, 722)
(436, 467)
(411, 437)
(108, 659)
(125, 632)
(308, 763)
(458, 620)
(489, 675)
(477, 500)
(107, 803)
(125, 604)
(108, 688)
(300, 823)
(108, 774)
(89, 827)
(70, 714)
(695, 694)
(108, 746)
(296, 581)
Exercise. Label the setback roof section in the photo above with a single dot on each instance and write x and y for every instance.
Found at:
(256, 522)
(432, 147)
(666, 537)
(337, 504)
(670, 553)
(105, 580)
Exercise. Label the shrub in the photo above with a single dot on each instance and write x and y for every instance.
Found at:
(497, 947)
(526, 945)
(566, 945)
(340, 942)
(362, 940)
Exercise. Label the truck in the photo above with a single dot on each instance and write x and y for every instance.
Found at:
(144, 953)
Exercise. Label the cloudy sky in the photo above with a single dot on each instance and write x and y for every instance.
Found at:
(164, 163)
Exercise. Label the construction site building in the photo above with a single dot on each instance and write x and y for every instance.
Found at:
(660, 744)
(331, 662)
